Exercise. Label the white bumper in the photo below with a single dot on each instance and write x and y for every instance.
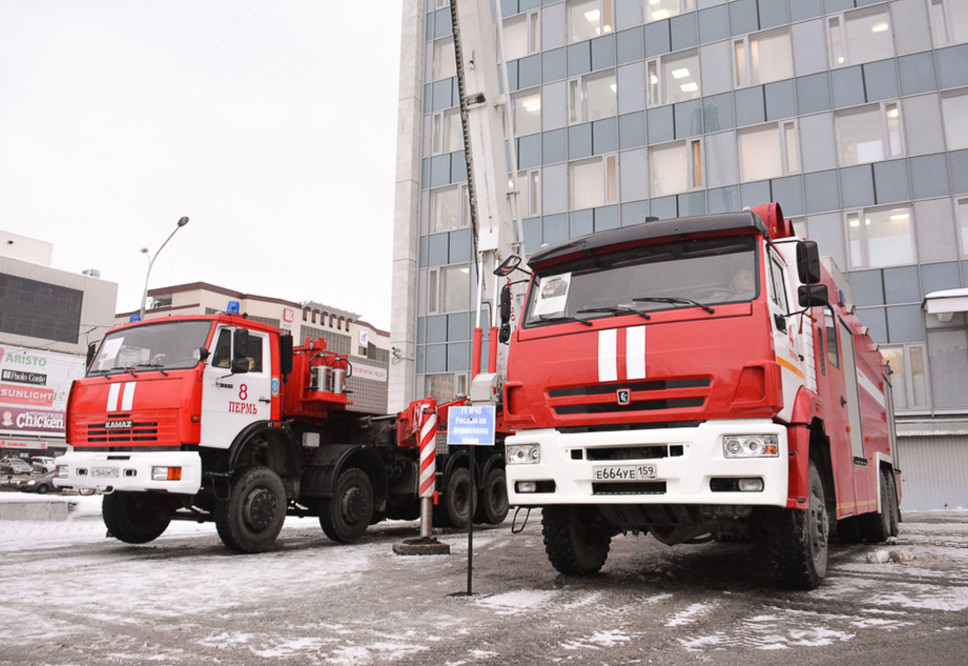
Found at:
(694, 463)
(103, 471)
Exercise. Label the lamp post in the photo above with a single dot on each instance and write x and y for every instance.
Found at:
(151, 261)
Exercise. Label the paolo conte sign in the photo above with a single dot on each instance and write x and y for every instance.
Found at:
(470, 426)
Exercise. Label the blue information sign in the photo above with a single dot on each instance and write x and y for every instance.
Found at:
(470, 426)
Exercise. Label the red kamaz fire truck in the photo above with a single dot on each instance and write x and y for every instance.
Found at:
(697, 378)
(219, 418)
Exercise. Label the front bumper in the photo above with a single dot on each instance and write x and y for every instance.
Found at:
(689, 464)
(104, 471)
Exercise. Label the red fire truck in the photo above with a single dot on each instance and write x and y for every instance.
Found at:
(220, 418)
(698, 378)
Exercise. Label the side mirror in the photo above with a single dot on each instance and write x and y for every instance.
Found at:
(91, 350)
(505, 304)
(285, 354)
(202, 353)
(508, 266)
(240, 365)
(811, 295)
(808, 262)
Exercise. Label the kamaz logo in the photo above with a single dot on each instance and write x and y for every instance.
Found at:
(624, 396)
(118, 425)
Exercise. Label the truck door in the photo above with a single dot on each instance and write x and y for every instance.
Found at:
(230, 401)
(785, 342)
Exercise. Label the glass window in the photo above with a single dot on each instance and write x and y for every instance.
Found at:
(592, 98)
(529, 194)
(860, 36)
(589, 18)
(949, 21)
(779, 294)
(909, 379)
(448, 135)
(527, 113)
(833, 344)
(594, 183)
(870, 134)
(445, 62)
(455, 288)
(963, 225)
(516, 38)
(646, 279)
(656, 10)
(763, 58)
(948, 360)
(450, 207)
(880, 237)
(676, 168)
(954, 109)
(673, 79)
(170, 345)
(769, 152)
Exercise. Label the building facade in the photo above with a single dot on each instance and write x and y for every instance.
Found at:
(48, 317)
(367, 347)
(852, 114)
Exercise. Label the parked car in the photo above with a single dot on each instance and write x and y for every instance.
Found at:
(42, 464)
(39, 484)
(15, 466)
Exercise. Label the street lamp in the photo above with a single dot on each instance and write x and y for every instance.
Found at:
(144, 296)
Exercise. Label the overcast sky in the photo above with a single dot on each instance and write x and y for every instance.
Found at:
(271, 124)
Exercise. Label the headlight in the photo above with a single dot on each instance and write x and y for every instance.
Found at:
(750, 446)
(523, 454)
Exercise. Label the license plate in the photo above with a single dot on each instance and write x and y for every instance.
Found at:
(624, 473)
(104, 472)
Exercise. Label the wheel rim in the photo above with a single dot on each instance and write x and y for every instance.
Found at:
(259, 508)
(353, 505)
(819, 525)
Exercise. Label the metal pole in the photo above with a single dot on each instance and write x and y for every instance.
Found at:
(144, 295)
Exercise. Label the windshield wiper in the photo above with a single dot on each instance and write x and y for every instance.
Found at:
(674, 300)
(615, 309)
(552, 317)
(128, 369)
(153, 366)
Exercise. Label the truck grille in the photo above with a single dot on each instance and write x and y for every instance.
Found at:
(643, 396)
(125, 430)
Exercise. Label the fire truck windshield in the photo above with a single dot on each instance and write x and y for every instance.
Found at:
(693, 273)
(163, 346)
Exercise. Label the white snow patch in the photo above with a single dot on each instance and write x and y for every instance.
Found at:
(518, 601)
(599, 640)
(928, 597)
(694, 613)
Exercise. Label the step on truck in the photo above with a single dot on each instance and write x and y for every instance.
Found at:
(698, 378)
(220, 418)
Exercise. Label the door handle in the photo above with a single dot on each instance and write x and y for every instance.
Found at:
(843, 401)
(265, 400)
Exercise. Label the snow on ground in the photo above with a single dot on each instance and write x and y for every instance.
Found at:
(184, 598)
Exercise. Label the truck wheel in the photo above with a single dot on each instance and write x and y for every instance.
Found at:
(346, 515)
(798, 540)
(457, 501)
(134, 517)
(575, 546)
(492, 500)
(877, 527)
(251, 518)
(895, 510)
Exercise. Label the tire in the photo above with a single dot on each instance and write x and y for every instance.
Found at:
(876, 526)
(251, 518)
(895, 509)
(575, 545)
(492, 499)
(42, 489)
(798, 541)
(457, 502)
(135, 517)
(345, 516)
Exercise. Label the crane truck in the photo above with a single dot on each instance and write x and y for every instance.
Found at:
(718, 385)
(220, 418)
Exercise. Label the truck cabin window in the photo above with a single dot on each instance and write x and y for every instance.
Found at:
(164, 346)
(693, 273)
